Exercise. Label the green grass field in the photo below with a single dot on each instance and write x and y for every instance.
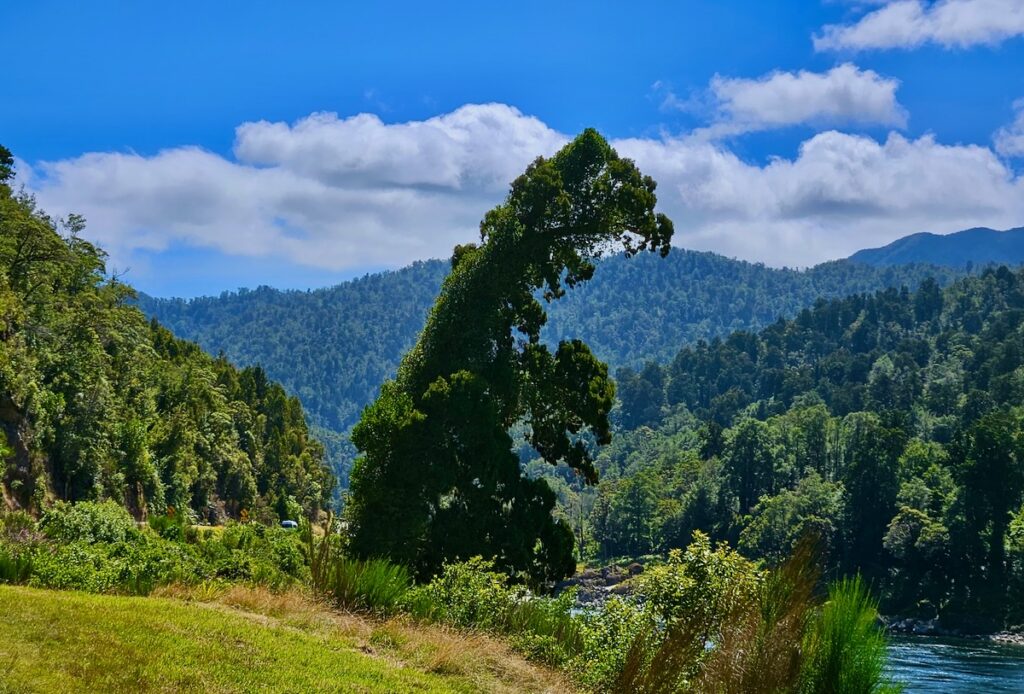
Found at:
(242, 641)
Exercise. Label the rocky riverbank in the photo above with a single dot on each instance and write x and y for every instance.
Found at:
(594, 586)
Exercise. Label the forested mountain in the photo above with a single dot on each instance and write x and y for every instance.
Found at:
(889, 424)
(979, 246)
(334, 347)
(97, 402)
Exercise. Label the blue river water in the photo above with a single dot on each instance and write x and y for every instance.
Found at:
(927, 665)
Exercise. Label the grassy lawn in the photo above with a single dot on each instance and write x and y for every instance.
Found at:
(239, 640)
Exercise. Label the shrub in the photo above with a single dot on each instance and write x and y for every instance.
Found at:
(175, 528)
(76, 566)
(473, 595)
(701, 585)
(609, 633)
(466, 594)
(88, 521)
(19, 528)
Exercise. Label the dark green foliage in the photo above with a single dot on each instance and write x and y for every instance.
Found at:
(888, 425)
(438, 480)
(334, 347)
(98, 403)
(97, 547)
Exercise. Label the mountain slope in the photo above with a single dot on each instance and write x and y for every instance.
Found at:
(97, 402)
(978, 246)
(888, 425)
(334, 347)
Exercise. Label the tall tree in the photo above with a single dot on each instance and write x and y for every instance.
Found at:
(992, 474)
(438, 480)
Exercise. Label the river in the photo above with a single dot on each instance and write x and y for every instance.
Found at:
(926, 665)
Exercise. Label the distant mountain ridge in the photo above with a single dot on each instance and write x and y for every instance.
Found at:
(334, 347)
(977, 246)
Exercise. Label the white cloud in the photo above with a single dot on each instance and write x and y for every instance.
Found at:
(841, 193)
(473, 147)
(325, 192)
(1009, 140)
(348, 193)
(913, 23)
(844, 94)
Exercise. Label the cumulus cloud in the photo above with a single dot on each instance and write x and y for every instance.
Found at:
(840, 193)
(326, 192)
(844, 94)
(474, 147)
(346, 193)
(913, 23)
(1010, 139)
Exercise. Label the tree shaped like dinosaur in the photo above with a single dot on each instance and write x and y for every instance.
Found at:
(438, 479)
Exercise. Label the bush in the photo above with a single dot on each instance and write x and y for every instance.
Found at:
(473, 595)
(96, 547)
(608, 634)
(19, 528)
(88, 522)
(134, 567)
(175, 528)
(702, 584)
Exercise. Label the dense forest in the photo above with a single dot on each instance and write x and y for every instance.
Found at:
(334, 347)
(888, 425)
(98, 402)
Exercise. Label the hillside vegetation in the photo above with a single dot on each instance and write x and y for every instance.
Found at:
(889, 425)
(334, 347)
(96, 401)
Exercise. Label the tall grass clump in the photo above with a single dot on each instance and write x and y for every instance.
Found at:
(758, 647)
(371, 585)
(15, 567)
(845, 650)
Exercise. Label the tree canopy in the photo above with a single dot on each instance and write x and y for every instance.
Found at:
(438, 479)
(334, 347)
(889, 425)
(97, 402)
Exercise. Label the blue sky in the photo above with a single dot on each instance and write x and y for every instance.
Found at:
(217, 145)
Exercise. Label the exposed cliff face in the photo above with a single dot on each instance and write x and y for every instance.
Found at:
(23, 482)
